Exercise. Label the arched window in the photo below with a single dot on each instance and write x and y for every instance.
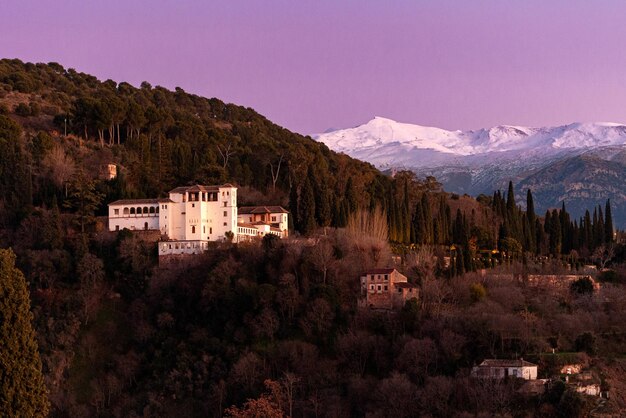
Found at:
(138, 211)
(132, 210)
(157, 209)
(193, 229)
(125, 211)
(151, 209)
(145, 209)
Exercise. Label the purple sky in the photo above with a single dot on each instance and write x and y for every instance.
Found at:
(313, 64)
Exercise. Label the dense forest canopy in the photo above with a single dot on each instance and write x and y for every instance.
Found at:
(272, 328)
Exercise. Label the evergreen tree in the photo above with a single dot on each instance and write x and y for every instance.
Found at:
(510, 200)
(306, 208)
(293, 206)
(608, 222)
(530, 217)
(22, 389)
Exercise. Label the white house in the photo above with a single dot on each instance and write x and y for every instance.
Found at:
(500, 369)
(262, 220)
(194, 215)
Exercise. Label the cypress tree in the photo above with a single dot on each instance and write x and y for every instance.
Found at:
(293, 205)
(608, 222)
(588, 233)
(306, 208)
(22, 389)
(510, 200)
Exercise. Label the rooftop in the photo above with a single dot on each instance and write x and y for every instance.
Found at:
(135, 202)
(380, 271)
(246, 210)
(506, 363)
(200, 188)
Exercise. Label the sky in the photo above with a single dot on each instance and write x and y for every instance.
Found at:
(310, 65)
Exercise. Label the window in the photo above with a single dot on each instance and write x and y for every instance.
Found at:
(227, 193)
(372, 287)
(273, 218)
(378, 288)
(225, 224)
(225, 203)
(386, 288)
(132, 211)
(203, 229)
(210, 230)
(125, 211)
(193, 205)
(399, 290)
(117, 227)
(145, 226)
(193, 229)
(116, 211)
(386, 277)
(225, 213)
(151, 209)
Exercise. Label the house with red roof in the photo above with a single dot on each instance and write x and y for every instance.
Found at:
(386, 288)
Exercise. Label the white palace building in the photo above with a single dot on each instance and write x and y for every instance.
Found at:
(194, 215)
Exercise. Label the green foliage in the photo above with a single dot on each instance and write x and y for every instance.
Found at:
(477, 292)
(22, 390)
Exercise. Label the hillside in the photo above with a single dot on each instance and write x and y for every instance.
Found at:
(162, 139)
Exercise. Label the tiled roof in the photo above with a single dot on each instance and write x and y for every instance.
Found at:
(199, 188)
(405, 285)
(506, 363)
(380, 271)
(247, 210)
(134, 202)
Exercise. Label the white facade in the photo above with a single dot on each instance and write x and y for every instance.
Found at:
(258, 221)
(193, 215)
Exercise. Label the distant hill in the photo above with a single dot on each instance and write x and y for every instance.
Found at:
(484, 160)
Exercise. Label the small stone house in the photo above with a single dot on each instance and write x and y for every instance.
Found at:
(386, 289)
(502, 369)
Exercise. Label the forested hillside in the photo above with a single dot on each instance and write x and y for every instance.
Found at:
(272, 328)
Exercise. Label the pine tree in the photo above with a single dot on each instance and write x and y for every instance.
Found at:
(22, 389)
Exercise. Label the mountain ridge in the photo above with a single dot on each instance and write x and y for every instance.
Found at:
(483, 160)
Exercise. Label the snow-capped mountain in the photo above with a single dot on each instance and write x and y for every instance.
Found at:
(483, 160)
(385, 142)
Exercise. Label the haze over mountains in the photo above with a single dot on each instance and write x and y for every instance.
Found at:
(581, 164)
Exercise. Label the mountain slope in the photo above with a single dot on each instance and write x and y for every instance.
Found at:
(481, 161)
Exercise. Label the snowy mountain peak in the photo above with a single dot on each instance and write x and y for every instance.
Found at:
(386, 142)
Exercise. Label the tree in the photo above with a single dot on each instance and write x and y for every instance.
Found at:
(22, 390)
(306, 208)
(608, 222)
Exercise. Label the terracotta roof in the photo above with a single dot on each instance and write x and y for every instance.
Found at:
(405, 285)
(165, 200)
(247, 210)
(246, 225)
(380, 271)
(506, 363)
(134, 202)
(199, 188)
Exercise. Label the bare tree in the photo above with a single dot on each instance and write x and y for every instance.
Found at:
(275, 171)
(604, 253)
(226, 153)
(59, 167)
(323, 257)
